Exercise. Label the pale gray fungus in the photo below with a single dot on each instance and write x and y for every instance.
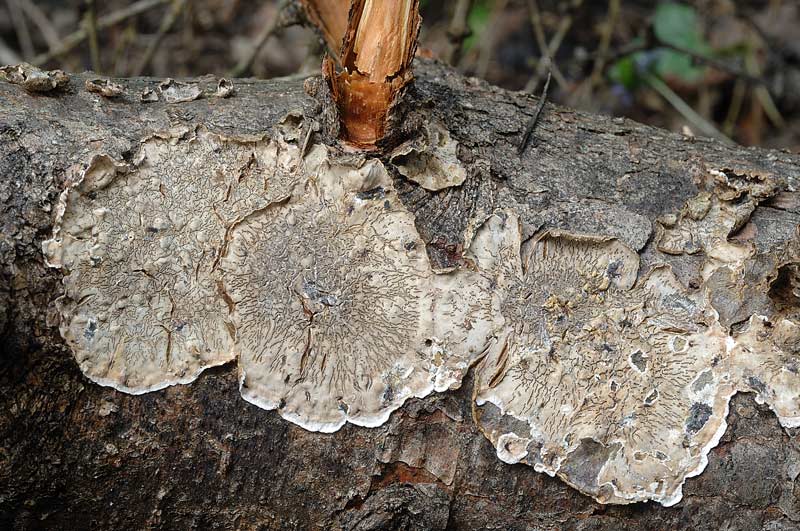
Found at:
(104, 87)
(34, 79)
(225, 88)
(300, 263)
(339, 316)
(177, 92)
(140, 244)
(431, 160)
(594, 375)
(767, 358)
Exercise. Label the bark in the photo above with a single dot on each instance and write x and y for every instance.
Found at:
(75, 455)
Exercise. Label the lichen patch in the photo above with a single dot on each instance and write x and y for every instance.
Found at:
(621, 387)
(339, 316)
(140, 244)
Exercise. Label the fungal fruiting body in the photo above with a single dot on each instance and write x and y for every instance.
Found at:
(307, 271)
(305, 268)
(140, 243)
(619, 388)
(339, 315)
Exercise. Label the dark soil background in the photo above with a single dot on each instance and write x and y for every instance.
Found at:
(706, 67)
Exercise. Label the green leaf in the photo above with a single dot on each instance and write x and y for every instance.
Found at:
(624, 72)
(675, 64)
(677, 24)
(477, 20)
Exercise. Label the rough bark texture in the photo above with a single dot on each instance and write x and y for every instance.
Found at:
(74, 455)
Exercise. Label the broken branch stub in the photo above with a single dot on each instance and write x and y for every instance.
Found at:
(330, 18)
(378, 48)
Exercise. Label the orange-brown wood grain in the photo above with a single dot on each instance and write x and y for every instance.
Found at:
(330, 16)
(379, 45)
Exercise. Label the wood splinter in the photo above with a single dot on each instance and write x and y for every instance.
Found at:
(373, 66)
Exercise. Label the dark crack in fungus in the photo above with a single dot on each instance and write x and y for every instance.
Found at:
(620, 388)
(340, 317)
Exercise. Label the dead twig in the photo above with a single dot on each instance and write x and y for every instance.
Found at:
(526, 137)
(685, 110)
(605, 43)
(458, 31)
(7, 55)
(166, 26)
(487, 44)
(74, 39)
(548, 51)
(42, 23)
(20, 28)
(282, 19)
(583, 94)
(90, 23)
(714, 63)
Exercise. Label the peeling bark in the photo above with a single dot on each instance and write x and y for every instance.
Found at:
(77, 455)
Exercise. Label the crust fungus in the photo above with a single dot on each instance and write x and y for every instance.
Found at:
(33, 79)
(225, 88)
(767, 360)
(431, 160)
(704, 225)
(104, 87)
(339, 316)
(621, 388)
(140, 244)
(176, 92)
(708, 220)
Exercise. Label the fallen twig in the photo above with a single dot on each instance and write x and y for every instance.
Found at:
(548, 51)
(458, 31)
(702, 125)
(90, 23)
(42, 23)
(74, 39)
(166, 25)
(526, 137)
(279, 21)
(20, 28)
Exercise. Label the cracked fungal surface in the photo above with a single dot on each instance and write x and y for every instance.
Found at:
(619, 388)
(140, 244)
(309, 272)
(767, 357)
(340, 317)
(431, 160)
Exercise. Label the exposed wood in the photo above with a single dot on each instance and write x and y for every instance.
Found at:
(330, 16)
(379, 46)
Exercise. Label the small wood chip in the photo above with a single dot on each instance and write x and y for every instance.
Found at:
(104, 87)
